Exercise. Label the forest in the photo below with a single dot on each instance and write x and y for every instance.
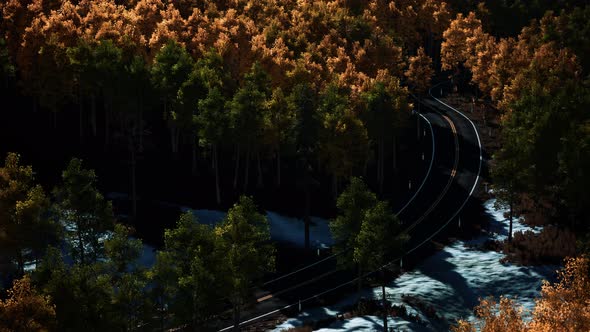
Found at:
(115, 110)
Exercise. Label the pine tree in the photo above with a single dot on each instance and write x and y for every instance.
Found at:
(84, 212)
(24, 222)
(379, 240)
(352, 204)
(245, 238)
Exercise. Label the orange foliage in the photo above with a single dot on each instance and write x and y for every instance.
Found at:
(562, 307)
(549, 65)
(565, 306)
(455, 48)
(420, 71)
(323, 40)
(171, 27)
(25, 309)
(533, 248)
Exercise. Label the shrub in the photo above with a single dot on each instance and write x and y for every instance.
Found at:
(551, 245)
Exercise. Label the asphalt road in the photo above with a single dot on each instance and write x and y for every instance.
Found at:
(435, 207)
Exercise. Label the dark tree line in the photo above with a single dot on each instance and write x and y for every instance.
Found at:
(87, 273)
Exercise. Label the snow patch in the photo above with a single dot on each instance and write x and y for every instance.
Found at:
(282, 229)
(451, 282)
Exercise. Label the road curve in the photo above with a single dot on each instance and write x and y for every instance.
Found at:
(438, 201)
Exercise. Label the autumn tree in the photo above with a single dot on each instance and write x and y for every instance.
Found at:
(536, 127)
(168, 30)
(420, 72)
(419, 75)
(494, 316)
(25, 309)
(562, 306)
(454, 49)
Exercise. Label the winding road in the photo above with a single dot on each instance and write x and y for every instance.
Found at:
(450, 180)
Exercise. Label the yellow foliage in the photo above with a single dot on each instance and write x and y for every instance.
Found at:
(25, 309)
(565, 306)
(562, 307)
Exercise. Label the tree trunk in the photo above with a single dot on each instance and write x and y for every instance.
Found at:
(278, 166)
(172, 137)
(140, 123)
(107, 121)
(394, 154)
(237, 168)
(334, 186)
(236, 317)
(194, 155)
(359, 284)
(162, 310)
(307, 208)
(380, 165)
(133, 185)
(54, 118)
(216, 169)
(20, 262)
(93, 114)
(194, 312)
(80, 243)
(81, 122)
(384, 301)
(212, 160)
(510, 219)
(176, 140)
(247, 168)
(165, 115)
(259, 183)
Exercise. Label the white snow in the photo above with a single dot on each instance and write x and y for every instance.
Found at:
(451, 281)
(282, 229)
(291, 230)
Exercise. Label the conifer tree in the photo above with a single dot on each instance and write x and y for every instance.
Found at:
(83, 211)
(245, 238)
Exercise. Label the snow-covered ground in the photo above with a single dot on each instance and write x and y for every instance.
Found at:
(451, 281)
(282, 229)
